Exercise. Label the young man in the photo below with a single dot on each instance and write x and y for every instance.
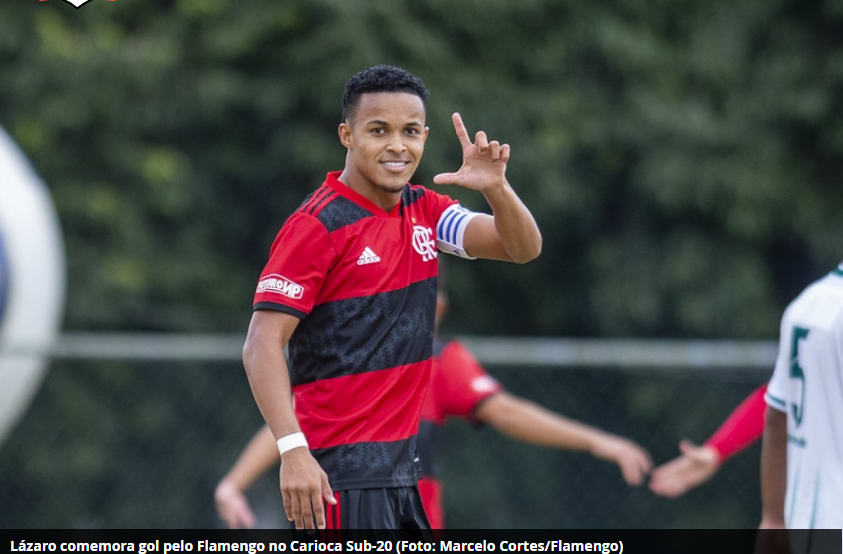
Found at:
(351, 284)
(460, 388)
(802, 452)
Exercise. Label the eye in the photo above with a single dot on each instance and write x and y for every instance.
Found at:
(412, 131)
(378, 131)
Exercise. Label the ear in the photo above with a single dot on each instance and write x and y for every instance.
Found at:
(344, 132)
(426, 132)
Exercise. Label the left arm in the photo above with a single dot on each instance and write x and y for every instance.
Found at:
(229, 496)
(697, 464)
(511, 233)
(528, 422)
(773, 469)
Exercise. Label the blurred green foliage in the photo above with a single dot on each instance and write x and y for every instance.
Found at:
(682, 158)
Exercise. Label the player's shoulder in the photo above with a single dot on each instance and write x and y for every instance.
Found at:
(328, 209)
(454, 345)
(820, 303)
(828, 289)
(455, 350)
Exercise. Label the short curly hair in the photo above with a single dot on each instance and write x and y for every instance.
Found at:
(380, 78)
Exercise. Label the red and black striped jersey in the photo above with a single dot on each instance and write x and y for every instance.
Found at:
(363, 282)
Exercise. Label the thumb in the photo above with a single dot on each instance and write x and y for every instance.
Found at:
(686, 446)
(327, 493)
(446, 178)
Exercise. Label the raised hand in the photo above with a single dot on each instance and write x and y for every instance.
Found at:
(483, 162)
(693, 467)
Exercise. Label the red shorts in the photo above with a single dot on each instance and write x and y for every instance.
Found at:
(431, 493)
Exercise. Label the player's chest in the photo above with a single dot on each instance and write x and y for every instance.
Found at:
(383, 254)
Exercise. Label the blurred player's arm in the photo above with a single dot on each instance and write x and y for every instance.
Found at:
(528, 422)
(697, 464)
(773, 469)
(303, 482)
(229, 496)
(511, 234)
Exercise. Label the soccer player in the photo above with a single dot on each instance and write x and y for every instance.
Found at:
(698, 463)
(351, 286)
(802, 452)
(461, 388)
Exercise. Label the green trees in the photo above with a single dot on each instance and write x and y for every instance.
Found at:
(683, 160)
(680, 157)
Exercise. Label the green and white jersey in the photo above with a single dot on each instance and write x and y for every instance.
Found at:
(807, 384)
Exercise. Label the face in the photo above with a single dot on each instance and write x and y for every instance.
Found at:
(385, 140)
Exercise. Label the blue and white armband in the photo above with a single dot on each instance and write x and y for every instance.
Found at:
(451, 229)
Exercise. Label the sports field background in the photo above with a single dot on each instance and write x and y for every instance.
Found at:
(148, 441)
(682, 159)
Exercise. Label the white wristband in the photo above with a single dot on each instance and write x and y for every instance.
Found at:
(291, 441)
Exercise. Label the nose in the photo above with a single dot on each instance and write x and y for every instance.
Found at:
(396, 143)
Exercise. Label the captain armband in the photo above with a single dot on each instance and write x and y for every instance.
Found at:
(451, 229)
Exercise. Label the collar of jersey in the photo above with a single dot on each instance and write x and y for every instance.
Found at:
(333, 180)
(838, 271)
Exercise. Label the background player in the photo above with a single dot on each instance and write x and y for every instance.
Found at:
(350, 284)
(460, 387)
(698, 463)
(802, 453)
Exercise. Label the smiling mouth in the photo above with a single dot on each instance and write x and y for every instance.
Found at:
(395, 164)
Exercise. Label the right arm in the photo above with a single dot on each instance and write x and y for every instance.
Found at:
(528, 422)
(773, 469)
(303, 482)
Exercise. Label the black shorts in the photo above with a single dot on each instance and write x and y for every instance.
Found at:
(390, 508)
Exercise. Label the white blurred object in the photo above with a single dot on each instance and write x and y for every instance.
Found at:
(32, 281)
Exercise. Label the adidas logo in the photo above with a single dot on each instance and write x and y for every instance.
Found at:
(368, 257)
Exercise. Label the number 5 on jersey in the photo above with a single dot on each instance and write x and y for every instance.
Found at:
(796, 372)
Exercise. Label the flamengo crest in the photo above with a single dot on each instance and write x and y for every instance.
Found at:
(423, 242)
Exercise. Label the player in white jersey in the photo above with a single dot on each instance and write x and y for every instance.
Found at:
(802, 455)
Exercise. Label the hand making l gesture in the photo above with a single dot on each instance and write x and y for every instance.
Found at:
(483, 162)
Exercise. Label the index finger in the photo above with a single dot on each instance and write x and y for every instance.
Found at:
(459, 127)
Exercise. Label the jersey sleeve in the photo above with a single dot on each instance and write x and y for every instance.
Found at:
(776, 395)
(465, 383)
(436, 204)
(743, 426)
(298, 262)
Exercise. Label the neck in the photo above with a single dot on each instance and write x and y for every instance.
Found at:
(358, 182)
